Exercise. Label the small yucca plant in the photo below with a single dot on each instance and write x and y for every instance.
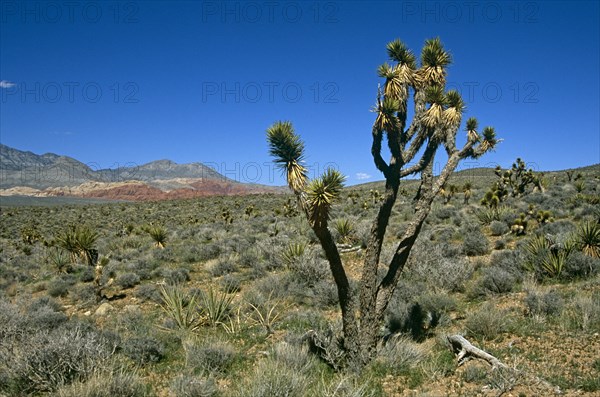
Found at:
(588, 239)
(266, 314)
(292, 252)
(182, 308)
(215, 307)
(79, 242)
(345, 229)
(546, 256)
(59, 259)
(159, 235)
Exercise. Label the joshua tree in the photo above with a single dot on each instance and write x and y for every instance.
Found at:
(437, 119)
(467, 192)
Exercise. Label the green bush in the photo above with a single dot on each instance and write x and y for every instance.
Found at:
(400, 355)
(44, 361)
(210, 356)
(193, 386)
(127, 280)
(118, 384)
(143, 350)
(498, 228)
(486, 323)
(475, 242)
(546, 304)
(496, 280)
(272, 379)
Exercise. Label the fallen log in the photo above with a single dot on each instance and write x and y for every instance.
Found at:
(464, 351)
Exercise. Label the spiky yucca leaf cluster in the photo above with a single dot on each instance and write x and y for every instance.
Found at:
(434, 60)
(320, 195)
(404, 71)
(588, 239)
(288, 150)
(399, 52)
(79, 241)
(316, 196)
(386, 118)
(433, 115)
(489, 138)
(456, 106)
(472, 134)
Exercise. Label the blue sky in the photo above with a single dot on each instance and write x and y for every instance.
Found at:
(115, 83)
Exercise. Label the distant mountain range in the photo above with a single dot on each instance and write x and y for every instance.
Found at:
(29, 174)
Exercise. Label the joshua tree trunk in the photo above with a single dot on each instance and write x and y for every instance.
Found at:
(437, 118)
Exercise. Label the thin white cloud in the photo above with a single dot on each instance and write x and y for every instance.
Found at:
(361, 176)
(6, 84)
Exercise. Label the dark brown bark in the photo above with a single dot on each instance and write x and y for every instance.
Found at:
(347, 304)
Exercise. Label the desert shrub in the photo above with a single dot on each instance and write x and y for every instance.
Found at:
(475, 242)
(325, 294)
(546, 304)
(193, 386)
(11, 320)
(208, 251)
(441, 233)
(495, 280)
(400, 355)
(444, 212)
(583, 313)
(432, 265)
(212, 356)
(272, 379)
(127, 280)
(510, 261)
(294, 356)
(44, 302)
(57, 287)
(144, 268)
(248, 258)
(579, 265)
(499, 244)
(309, 268)
(85, 294)
(437, 302)
(119, 384)
(347, 386)
(223, 267)
(475, 374)
(165, 255)
(487, 323)
(143, 350)
(231, 283)
(48, 360)
(148, 293)
(44, 318)
(498, 228)
(86, 274)
(191, 254)
(176, 276)
(559, 227)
